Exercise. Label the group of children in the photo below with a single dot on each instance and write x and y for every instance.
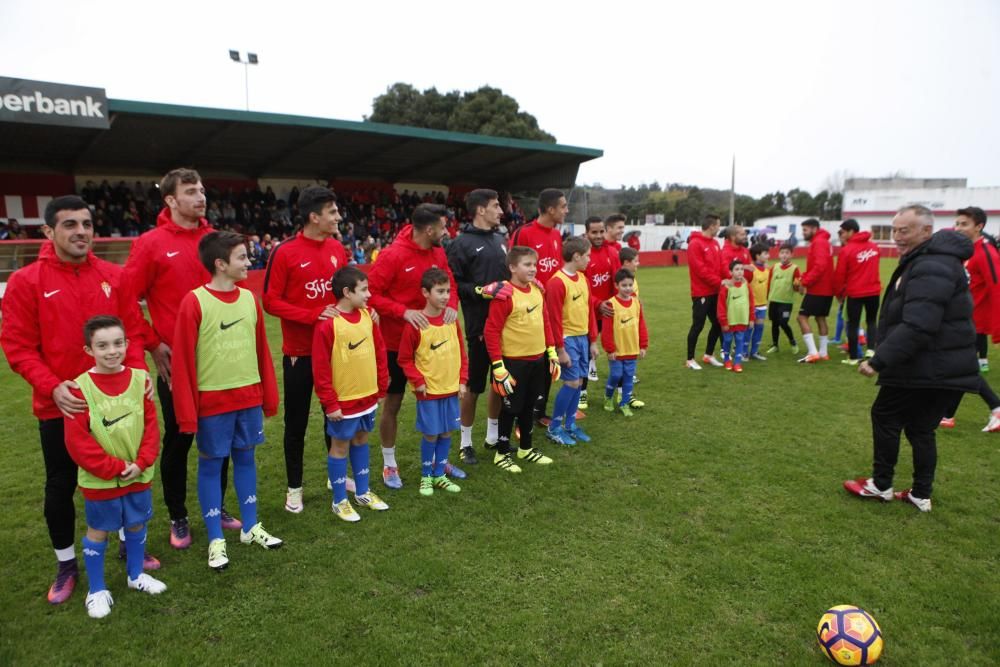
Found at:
(224, 385)
(749, 297)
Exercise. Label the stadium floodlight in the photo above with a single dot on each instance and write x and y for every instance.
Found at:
(251, 60)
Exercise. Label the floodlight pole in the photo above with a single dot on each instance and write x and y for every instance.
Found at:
(732, 194)
(251, 60)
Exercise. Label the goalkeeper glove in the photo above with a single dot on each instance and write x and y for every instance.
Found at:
(555, 370)
(500, 290)
(503, 383)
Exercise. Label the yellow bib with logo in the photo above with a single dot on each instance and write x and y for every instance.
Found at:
(439, 358)
(227, 342)
(524, 330)
(738, 305)
(352, 359)
(626, 323)
(117, 424)
(759, 283)
(576, 307)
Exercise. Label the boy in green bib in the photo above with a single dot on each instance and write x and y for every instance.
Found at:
(115, 442)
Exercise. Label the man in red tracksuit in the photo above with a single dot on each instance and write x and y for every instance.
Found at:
(735, 247)
(707, 273)
(543, 235)
(817, 284)
(162, 268)
(600, 281)
(297, 290)
(44, 309)
(394, 283)
(857, 278)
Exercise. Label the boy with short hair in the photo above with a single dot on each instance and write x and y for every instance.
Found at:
(224, 386)
(351, 375)
(734, 312)
(784, 280)
(519, 340)
(437, 367)
(116, 452)
(574, 331)
(628, 257)
(758, 280)
(625, 339)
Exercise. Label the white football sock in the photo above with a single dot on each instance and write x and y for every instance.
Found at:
(69, 553)
(810, 343)
(492, 430)
(389, 457)
(823, 340)
(466, 436)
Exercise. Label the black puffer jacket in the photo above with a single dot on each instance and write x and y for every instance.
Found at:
(477, 257)
(926, 338)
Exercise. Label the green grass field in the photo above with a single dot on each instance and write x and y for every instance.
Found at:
(710, 529)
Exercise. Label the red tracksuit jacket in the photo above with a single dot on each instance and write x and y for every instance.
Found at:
(162, 268)
(44, 310)
(818, 278)
(394, 283)
(601, 274)
(731, 252)
(857, 275)
(705, 265)
(547, 242)
(984, 274)
(297, 288)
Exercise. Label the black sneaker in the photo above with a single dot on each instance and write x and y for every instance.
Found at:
(468, 455)
(490, 445)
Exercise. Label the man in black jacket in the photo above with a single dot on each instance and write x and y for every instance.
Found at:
(478, 260)
(926, 354)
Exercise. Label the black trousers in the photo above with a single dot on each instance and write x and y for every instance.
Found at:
(702, 307)
(985, 392)
(780, 315)
(854, 306)
(174, 457)
(60, 483)
(530, 375)
(915, 412)
(298, 381)
(982, 345)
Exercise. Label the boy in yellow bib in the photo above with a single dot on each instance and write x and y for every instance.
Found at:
(625, 339)
(350, 375)
(114, 441)
(437, 367)
(224, 386)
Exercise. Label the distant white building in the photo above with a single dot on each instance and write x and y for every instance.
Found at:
(874, 201)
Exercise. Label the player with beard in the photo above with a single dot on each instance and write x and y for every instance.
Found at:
(600, 279)
(478, 260)
(817, 285)
(394, 283)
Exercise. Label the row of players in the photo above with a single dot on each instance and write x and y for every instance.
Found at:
(223, 399)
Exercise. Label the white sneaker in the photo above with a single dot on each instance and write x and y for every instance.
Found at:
(866, 488)
(99, 604)
(350, 485)
(293, 500)
(147, 584)
(922, 504)
(345, 511)
(218, 559)
(993, 425)
(371, 501)
(692, 364)
(711, 360)
(759, 357)
(257, 535)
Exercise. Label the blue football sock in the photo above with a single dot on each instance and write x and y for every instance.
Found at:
(427, 450)
(210, 495)
(336, 470)
(562, 406)
(360, 459)
(93, 561)
(135, 551)
(758, 335)
(574, 401)
(441, 454)
(245, 481)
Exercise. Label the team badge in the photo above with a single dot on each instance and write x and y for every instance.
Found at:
(106, 287)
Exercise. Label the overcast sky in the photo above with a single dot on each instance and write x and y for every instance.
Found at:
(669, 90)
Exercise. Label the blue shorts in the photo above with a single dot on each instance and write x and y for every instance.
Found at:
(132, 509)
(346, 429)
(218, 435)
(438, 415)
(578, 349)
(760, 313)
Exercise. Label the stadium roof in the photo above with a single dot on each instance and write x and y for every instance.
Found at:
(148, 137)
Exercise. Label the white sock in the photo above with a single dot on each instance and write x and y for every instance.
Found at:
(823, 340)
(121, 534)
(492, 430)
(69, 553)
(810, 343)
(466, 436)
(389, 457)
